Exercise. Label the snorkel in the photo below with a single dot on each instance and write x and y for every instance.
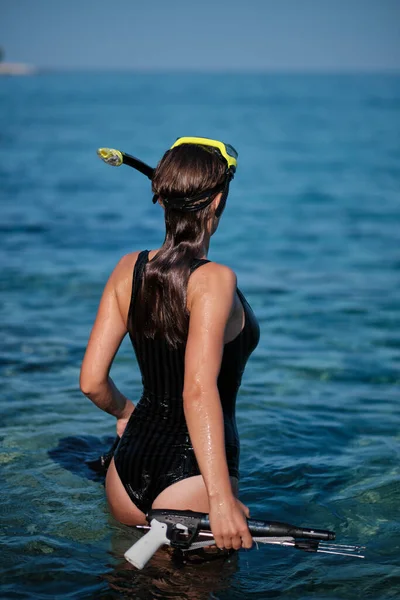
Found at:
(116, 158)
(225, 152)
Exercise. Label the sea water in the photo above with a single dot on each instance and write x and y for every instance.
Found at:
(312, 228)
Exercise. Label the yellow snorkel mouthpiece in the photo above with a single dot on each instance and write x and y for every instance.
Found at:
(111, 156)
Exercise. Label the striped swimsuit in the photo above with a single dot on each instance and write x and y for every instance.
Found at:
(155, 450)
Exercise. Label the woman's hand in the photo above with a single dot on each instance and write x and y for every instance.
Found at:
(122, 421)
(228, 523)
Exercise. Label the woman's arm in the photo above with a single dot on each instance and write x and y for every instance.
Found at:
(212, 301)
(107, 334)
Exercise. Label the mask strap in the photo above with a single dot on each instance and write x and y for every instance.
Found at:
(221, 205)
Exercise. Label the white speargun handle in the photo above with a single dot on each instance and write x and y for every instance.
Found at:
(141, 552)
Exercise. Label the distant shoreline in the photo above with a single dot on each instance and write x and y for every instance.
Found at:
(16, 69)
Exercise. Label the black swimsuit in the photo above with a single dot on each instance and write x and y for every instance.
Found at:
(155, 450)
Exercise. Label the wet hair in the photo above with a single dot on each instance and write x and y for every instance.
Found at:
(186, 171)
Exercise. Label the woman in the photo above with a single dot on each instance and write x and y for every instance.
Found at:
(192, 331)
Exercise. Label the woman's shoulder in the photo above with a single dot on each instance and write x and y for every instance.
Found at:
(213, 278)
(121, 281)
(214, 271)
(125, 266)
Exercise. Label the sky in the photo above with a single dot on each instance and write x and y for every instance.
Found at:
(241, 35)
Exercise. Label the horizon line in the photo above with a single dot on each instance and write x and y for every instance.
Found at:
(37, 70)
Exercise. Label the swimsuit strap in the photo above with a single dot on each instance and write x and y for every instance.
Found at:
(198, 262)
(140, 264)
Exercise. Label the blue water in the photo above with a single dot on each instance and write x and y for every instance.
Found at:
(312, 228)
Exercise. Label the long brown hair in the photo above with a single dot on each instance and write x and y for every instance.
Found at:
(160, 307)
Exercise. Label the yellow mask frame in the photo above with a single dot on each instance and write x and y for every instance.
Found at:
(227, 151)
